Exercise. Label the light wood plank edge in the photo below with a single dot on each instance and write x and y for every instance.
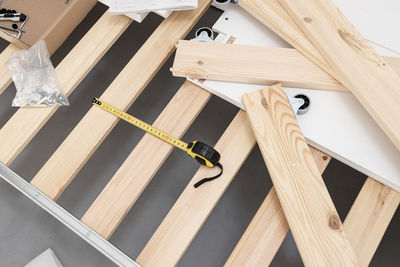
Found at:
(306, 202)
(242, 63)
(369, 218)
(120, 194)
(77, 148)
(274, 16)
(190, 211)
(365, 226)
(352, 60)
(5, 78)
(267, 230)
(26, 122)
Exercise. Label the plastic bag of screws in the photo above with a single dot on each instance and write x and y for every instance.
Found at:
(35, 79)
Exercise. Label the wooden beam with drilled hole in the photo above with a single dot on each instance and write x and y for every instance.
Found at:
(83, 141)
(308, 208)
(26, 122)
(253, 64)
(194, 205)
(351, 59)
(117, 198)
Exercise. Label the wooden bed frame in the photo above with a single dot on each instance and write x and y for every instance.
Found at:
(365, 224)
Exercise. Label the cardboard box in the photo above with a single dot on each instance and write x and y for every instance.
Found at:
(49, 20)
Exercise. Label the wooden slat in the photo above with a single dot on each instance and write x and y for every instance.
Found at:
(136, 172)
(369, 217)
(253, 64)
(267, 230)
(275, 17)
(308, 208)
(5, 78)
(26, 122)
(365, 226)
(73, 153)
(190, 211)
(352, 60)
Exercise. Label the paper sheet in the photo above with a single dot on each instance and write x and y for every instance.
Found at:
(125, 6)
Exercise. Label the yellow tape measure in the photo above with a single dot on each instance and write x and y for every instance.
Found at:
(203, 153)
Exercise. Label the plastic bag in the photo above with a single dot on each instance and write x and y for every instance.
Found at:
(35, 79)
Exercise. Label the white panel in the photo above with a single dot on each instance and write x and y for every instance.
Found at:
(336, 123)
(46, 259)
(139, 17)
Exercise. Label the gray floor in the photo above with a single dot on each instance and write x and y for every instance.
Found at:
(26, 230)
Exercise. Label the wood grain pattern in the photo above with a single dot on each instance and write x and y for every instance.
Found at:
(190, 211)
(263, 237)
(365, 224)
(25, 123)
(369, 218)
(73, 153)
(117, 198)
(267, 230)
(253, 64)
(5, 78)
(308, 208)
(352, 61)
(274, 16)
(250, 64)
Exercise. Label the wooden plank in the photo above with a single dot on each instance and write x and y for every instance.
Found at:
(353, 62)
(190, 211)
(308, 208)
(275, 17)
(25, 123)
(252, 64)
(267, 230)
(369, 218)
(365, 224)
(117, 198)
(73, 153)
(5, 78)
(330, 136)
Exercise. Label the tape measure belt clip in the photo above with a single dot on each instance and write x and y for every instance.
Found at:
(203, 153)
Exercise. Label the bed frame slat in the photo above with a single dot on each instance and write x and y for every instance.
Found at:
(136, 172)
(192, 208)
(83, 141)
(25, 123)
(267, 230)
(369, 218)
(5, 78)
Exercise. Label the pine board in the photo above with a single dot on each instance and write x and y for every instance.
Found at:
(253, 64)
(308, 208)
(352, 61)
(268, 228)
(333, 128)
(192, 208)
(120, 194)
(369, 218)
(77, 148)
(26, 122)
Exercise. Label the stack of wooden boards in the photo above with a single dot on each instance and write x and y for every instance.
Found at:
(339, 59)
